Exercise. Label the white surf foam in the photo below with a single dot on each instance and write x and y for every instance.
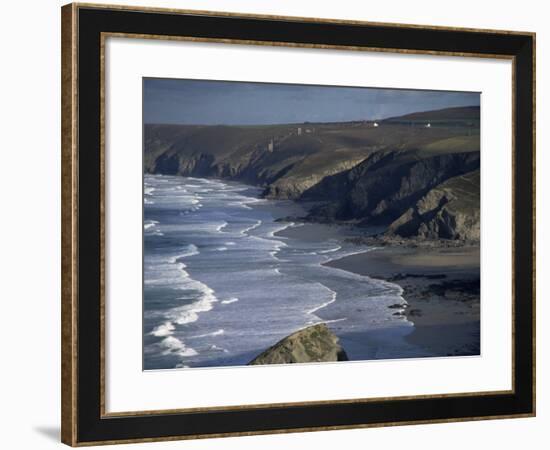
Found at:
(190, 313)
(271, 234)
(183, 314)
(330, 250)
(190, 250)
(219, 228)
(166, 329)
(335, 320)
(215, 348)
(148, 224)
(351, 253)
(249, 201)
(214, 333)
(252, 227)
(325, 304)
(175, 346)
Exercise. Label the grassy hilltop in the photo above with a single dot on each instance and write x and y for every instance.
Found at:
(417, 174)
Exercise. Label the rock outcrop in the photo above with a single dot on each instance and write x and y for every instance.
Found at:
(313, 344)
(387, 184)
(448, 211)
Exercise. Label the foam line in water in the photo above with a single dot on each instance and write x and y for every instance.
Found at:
(335, 320)
(331, 250)
(150, 224)
(271, 234)
(214, 333)
(249, 201)
(219, 228)
(250, 228)
(325, 304)
(190, 250)
(230, 300)
(350, 253)
(215, 348)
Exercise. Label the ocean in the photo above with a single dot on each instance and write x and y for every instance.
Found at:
(220, 286)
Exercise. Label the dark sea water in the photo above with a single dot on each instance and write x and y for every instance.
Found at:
(220, 286)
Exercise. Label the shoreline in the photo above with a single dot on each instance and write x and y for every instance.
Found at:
(440, 282)
(441, 287)
(442, 315)
(439, 279)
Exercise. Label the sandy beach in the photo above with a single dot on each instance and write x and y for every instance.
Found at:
(441, 286)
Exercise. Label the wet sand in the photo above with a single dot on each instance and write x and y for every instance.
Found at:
(441, 286)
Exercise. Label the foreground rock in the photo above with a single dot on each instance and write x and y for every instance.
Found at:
(313, 344)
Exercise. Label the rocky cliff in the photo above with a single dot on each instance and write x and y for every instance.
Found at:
(387, 185)
(398, 174)
(313, 344)
(448, 211)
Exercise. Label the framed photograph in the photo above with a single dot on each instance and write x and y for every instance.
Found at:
(281, 224)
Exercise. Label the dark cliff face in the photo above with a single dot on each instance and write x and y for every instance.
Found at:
(448, 211)
(385, 175)
(383, 187)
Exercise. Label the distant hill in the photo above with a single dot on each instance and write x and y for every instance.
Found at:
(466, 113)
(354, 171)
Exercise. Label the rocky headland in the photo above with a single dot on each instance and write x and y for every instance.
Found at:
(417, 176)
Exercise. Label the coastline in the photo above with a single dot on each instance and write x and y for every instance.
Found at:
(305, 254)
(440, 282)
(441, 287)
(440, 279)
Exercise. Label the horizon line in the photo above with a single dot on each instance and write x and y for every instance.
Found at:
(308, 122)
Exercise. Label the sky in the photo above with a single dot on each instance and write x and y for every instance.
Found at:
(202, 102)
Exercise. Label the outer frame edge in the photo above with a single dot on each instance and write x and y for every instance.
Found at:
(534, 213)
(229, 14)
(68, 225)
(301, 430)
(69, 221)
